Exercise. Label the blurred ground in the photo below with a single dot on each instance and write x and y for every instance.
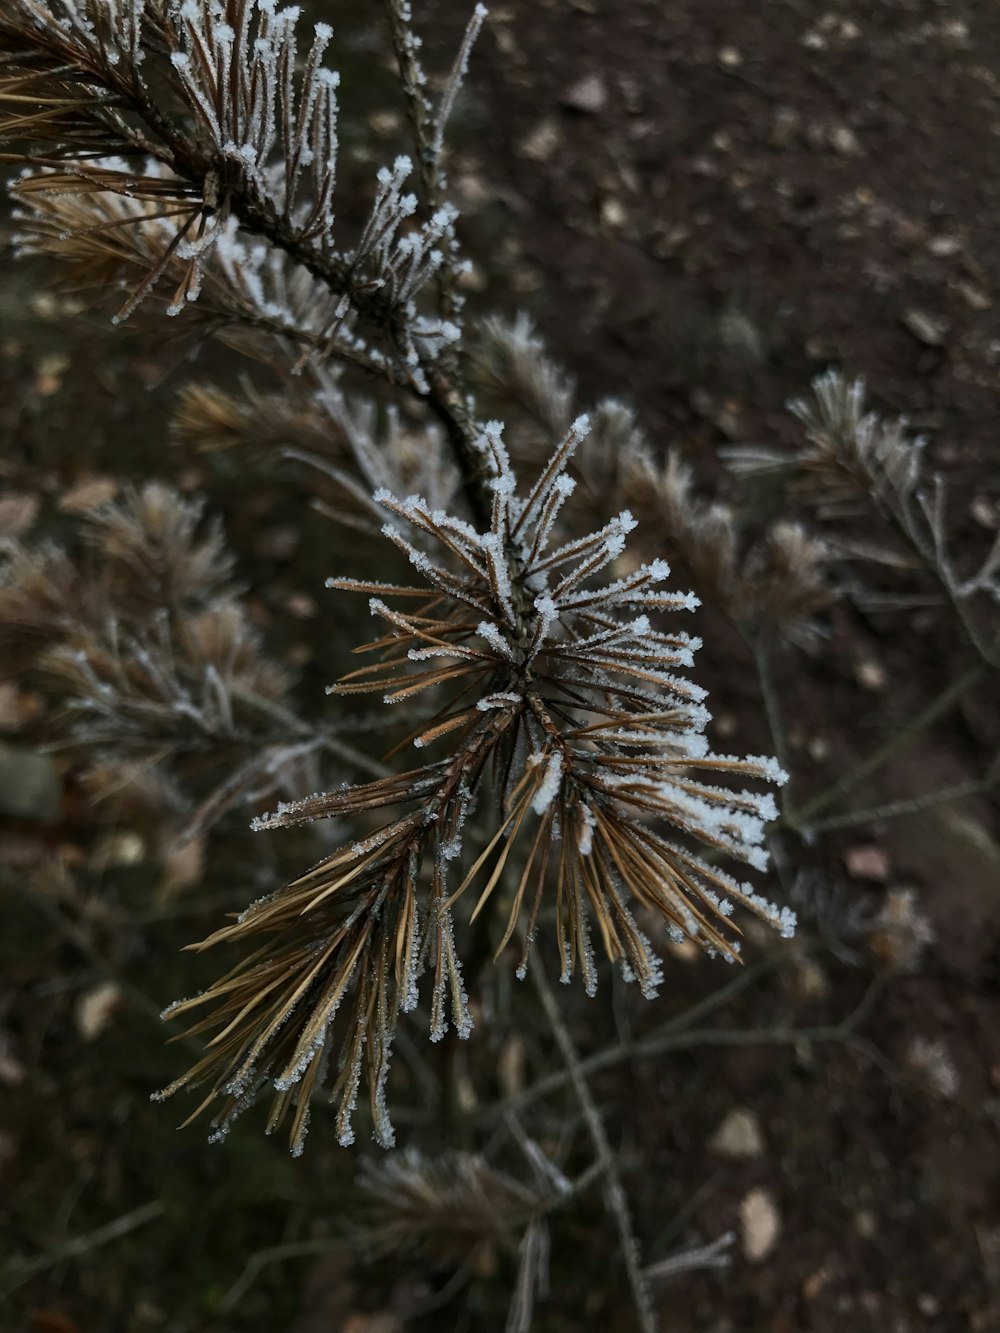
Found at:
(702, 204)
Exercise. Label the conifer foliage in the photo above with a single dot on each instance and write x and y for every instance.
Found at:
(184, 153)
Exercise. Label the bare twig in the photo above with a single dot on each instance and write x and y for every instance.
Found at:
(772, 705)
(20, 1271)
(670, 1039)
(713, 1255)
(615, 1191)
(910, 805)
(801, 819)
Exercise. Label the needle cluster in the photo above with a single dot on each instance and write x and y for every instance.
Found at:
(559, 698)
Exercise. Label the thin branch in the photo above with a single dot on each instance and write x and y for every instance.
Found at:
(772, 707)
(669, 1039)
(801, 819)
(298, 1249)
(615, 1191)
(713, 1255)
(22, 1270)
(909, 805)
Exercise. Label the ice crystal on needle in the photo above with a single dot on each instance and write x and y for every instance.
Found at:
(212, 164)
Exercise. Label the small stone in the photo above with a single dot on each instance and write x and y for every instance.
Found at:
(588, 95)
(865, 1223)
(613, 214)
(739, 1135)
(730, 57)
(540, 143)
(844, 141)
(974, 296)
(925, 328)
(867, 861)
(872, 675)
(985, 512)
(944, 246)
(760, 1225)
(95, 1008)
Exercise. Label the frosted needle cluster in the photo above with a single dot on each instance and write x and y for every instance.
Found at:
(546, 684)
(561, 795)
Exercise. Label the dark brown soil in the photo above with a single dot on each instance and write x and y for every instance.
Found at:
(756, 192)
(766, 191)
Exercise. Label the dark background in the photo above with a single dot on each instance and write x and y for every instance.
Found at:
(703, 204)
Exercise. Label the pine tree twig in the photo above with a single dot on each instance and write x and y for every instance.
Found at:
(275, 1254)
(20, 1271)
(617, 1200)
(717, 999)
(772, 707)
(713, 1255)
(909, 805)
(323, 737)
(658, 1043)
(801, 819)
(72, 933)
